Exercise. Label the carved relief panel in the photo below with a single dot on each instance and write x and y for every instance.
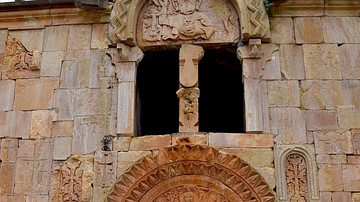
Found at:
(296, 178)
(198, 21)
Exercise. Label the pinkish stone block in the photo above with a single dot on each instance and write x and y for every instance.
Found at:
(234, 140)
(7, 91)
(150, 142)
(351, 175)
(330, 177)
(321, 120)
(333, 142)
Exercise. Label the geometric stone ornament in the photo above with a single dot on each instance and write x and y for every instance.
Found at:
(124, 17)
(296, 174)
(189, 172)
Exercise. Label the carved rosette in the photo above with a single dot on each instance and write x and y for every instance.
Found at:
(18, 62)
(190, 173)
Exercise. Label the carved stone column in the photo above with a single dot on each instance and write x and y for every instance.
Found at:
(188, 93)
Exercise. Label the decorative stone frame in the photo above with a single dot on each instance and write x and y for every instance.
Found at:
(281, 154)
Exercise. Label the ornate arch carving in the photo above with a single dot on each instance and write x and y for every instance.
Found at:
(282, 152)
(194, 171)
(253, 19)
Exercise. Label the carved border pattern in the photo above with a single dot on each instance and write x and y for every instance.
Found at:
(281, 154)
(190, 160)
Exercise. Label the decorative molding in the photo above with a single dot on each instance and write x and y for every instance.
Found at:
(186, 166)
(253, 19)
(282, 153)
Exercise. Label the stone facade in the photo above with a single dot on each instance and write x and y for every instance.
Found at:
(68, 97)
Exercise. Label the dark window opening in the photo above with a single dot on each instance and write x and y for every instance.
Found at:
(157, 106)
(221, 102)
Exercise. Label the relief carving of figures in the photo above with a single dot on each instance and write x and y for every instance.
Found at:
(296, 178)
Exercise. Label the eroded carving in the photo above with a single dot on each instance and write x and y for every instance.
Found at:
(191, 166)
(70, 186)
(18, 62)
(296, 178)
(189, 105)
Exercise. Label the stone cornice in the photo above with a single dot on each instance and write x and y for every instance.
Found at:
(37, 18)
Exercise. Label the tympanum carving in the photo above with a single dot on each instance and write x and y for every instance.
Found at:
(296, 178)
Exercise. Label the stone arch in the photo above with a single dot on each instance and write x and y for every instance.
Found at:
(196, 171)
(282, 152)
(253, 19)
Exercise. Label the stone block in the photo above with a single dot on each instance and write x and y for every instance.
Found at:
(8, 152)
(312, 95)
(271, 69)
(268, 174)
(256, 157)
(92, 102)
(121, 144)
(75, 74)
(284, 93)
(356, 141)
(32, 94)
(310, 137)
(355, 197)
(308, 30)
(288, 124)
(282, 30)
(338, 94)
(88, 133)
(56, 38)
(7, 173)
(353, 159)
(349, 119)
(37, 198)
(105, 163)
(333, 142)
(99, 38)
(292, 61)
(78, 55)
(62, 148)
(51, 63)
(17, 124)
(31, 39)
(351, 175)
(189, 138)
(234, 140)
(321, 120)
(79, 37)
(7, 91)
(330, 177)
(350, 60)
(3, 37)
(41, 122)
(62, 128)
(330, 159)
(126, 71)
(347, 29)
(63, 102)
(149, 142)
(253, 105)
(15, 198)
(335, 196)
(126, 159)
(126, 107)
(265, 106)
(322, 61)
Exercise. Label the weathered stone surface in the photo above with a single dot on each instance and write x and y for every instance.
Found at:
(78, 55)
(351, 175)
(339, 94)
(88, 133)
(15, 198)
(41, 122)
(253, 107)
(335, 196)
(33, 167)
(51, 63)
(37, 198)
(355, 197)
(99, 38)
(234, 140)
(75, 74)
(126, 107)
(105, 163)
(333, 142)
(149, 142)
(330, 177)
(79, 37)
(349, 119)
(256, 157)
(7, 91)
(8, 153)
(56, 38)
(121, 144)
(63, 102)
(347, 29)
(284, 93)
(330, 159)
(350, 60)
(356, 141)
(292, 61)
(353, 159)
(308, 30)
(16, 124)
(31, 39)
(62, 148)
(31, 94)
(288, 124)
(189, 138)
(3, 37)
(268, 174)
(265, 106)
(129, 54)
(322, 61)
(321, 120)
(92, 102)
(126, 159)
(62, 128)
(312, 95)
(271, 69)
(282, 30)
